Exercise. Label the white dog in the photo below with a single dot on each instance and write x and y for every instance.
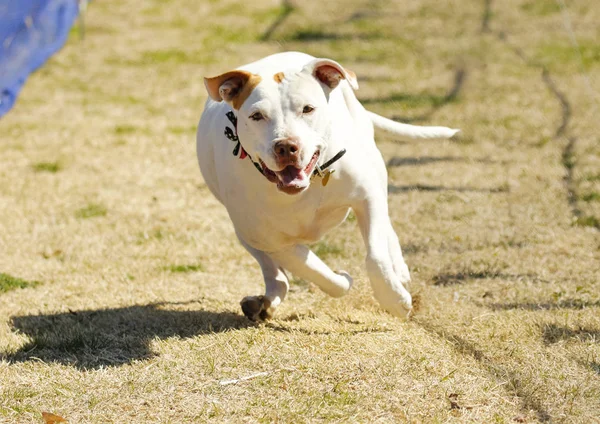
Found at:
(285, 145)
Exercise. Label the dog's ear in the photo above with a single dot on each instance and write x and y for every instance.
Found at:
(330, 73)
(233, 87)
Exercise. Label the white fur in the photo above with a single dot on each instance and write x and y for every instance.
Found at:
(411, 132)
(274, 226)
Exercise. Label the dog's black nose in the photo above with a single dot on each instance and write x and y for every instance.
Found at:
(287, 150)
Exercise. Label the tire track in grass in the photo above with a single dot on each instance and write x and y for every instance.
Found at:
(564, 103)
(438, 101)
(568, 152)
(394, 189)
(487, 16)
(287, 7)
(562, 130)
(460, 75)
(516, 383)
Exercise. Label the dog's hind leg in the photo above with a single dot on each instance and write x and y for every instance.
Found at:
(302, 262)
(260, 308)
(385, 266)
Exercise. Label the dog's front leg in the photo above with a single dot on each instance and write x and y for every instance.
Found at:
(385, 266)
(260, 308)
(302, 262)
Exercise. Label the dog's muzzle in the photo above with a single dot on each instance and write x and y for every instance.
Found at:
(291, 179)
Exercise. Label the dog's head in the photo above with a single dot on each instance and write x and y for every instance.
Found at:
(284, 119)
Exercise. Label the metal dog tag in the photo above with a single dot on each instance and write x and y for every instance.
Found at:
(326, 177)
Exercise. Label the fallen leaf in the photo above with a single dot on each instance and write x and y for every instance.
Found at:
(50, 418)
(453, 397)
(454, 405)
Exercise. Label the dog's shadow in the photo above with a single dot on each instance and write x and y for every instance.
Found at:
(92, 339)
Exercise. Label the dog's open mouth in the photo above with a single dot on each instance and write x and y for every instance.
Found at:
(291, 180)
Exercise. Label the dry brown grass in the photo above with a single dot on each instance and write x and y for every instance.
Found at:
(136, 319)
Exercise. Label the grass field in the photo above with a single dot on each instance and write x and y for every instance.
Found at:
(120, 275)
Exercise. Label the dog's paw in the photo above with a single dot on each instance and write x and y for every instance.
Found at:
(397, 305)
(399, 310)
(339, 284)
(394, 298)
(256, 308)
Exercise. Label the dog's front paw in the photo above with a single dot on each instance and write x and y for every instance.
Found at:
(399, 310)
(397, 304)
(256, 308)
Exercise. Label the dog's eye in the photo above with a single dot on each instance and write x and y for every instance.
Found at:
(308, 109)
(257, 116)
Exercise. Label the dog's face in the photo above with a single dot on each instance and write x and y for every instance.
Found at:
(283, 119)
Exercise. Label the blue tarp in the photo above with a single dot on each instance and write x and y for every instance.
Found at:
(30, 32)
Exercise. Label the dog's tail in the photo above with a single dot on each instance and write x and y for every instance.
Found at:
(411, 132)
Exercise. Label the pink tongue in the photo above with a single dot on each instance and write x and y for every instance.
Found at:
(291, 175)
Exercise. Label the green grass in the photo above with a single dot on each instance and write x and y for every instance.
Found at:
(183, 130)
(269, 15)
(92, 210)
(184, 268)
(172, 56)
(153, 234)
(411, 101)
(592, 177)
(561, 54)
(326, 250)
(8, 282)
(591, 197)
(51, 167)
(588, 221)
(125, 129)
(541, 7)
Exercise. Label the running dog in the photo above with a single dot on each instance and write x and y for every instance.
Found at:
(284, 144)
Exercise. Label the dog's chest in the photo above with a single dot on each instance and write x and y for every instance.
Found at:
(275, 229)
(312, 228)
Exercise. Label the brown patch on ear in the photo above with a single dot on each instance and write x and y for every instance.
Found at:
(234, 87)
(278, 77)
(329, 75)
(234, 79)
(245, 92)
